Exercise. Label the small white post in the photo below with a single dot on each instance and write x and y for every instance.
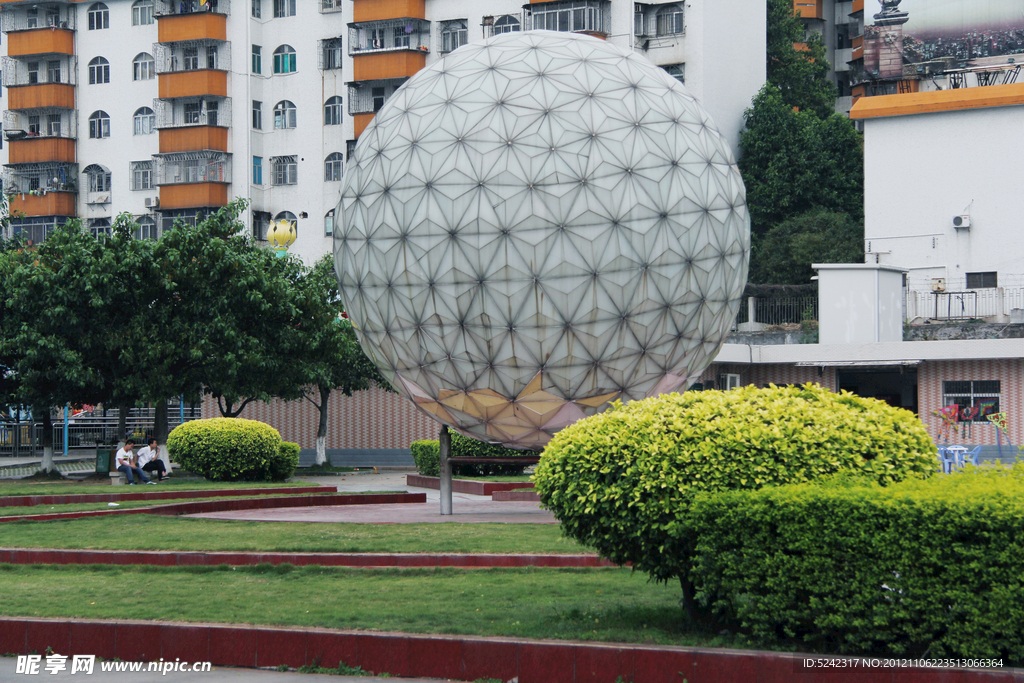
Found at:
(751, 309)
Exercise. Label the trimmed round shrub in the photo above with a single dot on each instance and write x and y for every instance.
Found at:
(229, 449)
(622, 481)
(284, 463)
(427, 456)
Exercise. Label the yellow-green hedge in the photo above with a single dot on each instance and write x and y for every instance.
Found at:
(231, 449)
(621, 481)
(917, 567)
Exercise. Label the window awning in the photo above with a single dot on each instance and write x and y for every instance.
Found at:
(856, 363)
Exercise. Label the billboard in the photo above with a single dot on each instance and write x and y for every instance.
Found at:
(948, 34)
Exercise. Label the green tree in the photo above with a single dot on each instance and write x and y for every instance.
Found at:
(333, 358)
(786, 252)
(796, 64)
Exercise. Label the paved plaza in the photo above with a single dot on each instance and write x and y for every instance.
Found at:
(466, 508)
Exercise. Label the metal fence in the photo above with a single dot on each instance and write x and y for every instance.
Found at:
(778, 310)
(980, 303)
(24, 438)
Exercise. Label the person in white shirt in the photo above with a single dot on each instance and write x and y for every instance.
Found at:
(149, 459)
(123, 460)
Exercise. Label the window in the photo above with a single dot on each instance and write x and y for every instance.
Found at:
(571, 15)
(285, 171)
(144, 121)
(99, 71)
(33, 72)
(257, 8)
(191, 111)
(331, 52)
(143, 67)
(257, 59)
(257, 115)
(670, 20)
(329, 223)
(334, 167)
(33, 17)
(284, 114)
(506, 24)
(976, 399)
(454, 34)
(375, 39)
(99, 227)
(284, 8)
(257, 170)
(287, 216)
(98, 179)
(332, 112)
(142, 175)
(378, 98)
(211, 57)
(99, 17)
(53, 124)
(350, 149)
(142, 13)
(33, 125)
(676, 71)
(401, 37)
(146, 229)
(99, 125)
(260, 223)
(284, 60)
(53, 71)
(982, 280)
(639, 25)
(191, 58)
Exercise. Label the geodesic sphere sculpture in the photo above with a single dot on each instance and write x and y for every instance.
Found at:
(537, 225)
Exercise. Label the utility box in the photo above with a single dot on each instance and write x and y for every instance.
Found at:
(859, 302)
(104, 459)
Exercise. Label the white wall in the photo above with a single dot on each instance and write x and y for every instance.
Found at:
(859, 303)
(921, 170)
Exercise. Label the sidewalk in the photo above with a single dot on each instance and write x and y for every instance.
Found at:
(18, 468)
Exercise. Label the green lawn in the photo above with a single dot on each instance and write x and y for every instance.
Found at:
(16, 487)
(18, 510)
(153, 532)
(579, 604)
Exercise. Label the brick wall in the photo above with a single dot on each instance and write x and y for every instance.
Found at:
(372, 419)
(1010, 373)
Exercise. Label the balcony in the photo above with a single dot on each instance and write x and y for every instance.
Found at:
(858, 7)
(189, 168)
(389, 36)
(33, 150)
(40, 123)
(173, 28)
(376, 67)
(37, 71)
(194, 138)
(45, 95)
(22, 18)
(193, 84)
(52, 203)
(368, 98)
(195, 111)
(809, 9)
(843, 57)
(43, 41)
(164, 8)
(360, 122)
(381, 10)
(330, 6)
(857, 51)
(193, 196)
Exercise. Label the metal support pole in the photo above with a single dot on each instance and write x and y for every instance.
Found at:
(65, 430)
(181, 410)
(446, 471)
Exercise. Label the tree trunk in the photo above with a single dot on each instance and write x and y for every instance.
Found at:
(160, 432)
(122, 423)
(47, 440)
(321, 430)
(689, 607)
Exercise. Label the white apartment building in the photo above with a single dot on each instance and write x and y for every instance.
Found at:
(168, 109)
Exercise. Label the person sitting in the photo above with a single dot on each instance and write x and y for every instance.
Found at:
(149, 460)
(126, 466)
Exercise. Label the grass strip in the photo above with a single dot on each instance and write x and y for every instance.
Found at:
(152, 532)
(17, 511)
(580, 604)
(15, 487)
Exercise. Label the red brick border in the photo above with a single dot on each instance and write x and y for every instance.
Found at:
(178, 558)
(456, 657)
(18, 501)
(204, 506)
(527, 495)
(471, 486)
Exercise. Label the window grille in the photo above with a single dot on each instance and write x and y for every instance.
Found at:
(975, 399)
(453, 35)
(285, 170)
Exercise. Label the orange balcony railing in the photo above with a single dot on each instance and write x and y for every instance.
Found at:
(43, 95)
(191, 139)
(38, 150)
(49, 204)
(193, 195)
(386, 65)
(41, 42)
(193, 83)
(377, 10)
(172, 28)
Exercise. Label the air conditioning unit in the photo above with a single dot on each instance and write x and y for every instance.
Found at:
(152, 202)
(961, 222)
(938, 284)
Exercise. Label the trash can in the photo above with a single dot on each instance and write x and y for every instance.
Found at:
(104, 456)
